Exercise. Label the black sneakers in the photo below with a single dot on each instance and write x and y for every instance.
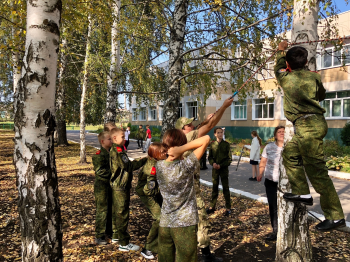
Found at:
(328, 225)
(147, 254)
(297, 199)
(271, 237)
(252, 179)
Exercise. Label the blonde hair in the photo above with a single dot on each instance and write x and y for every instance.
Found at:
(254, 133)
(115, 131)
(109, 126)
(101, 136)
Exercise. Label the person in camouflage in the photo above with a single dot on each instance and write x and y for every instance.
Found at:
(121, 176)
(102, 190)
(148, 191)
(140, 136)
(303, 90)
(179, 215)
(220, 158)
(186, 125)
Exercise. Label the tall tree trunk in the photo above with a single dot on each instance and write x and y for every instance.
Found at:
(112, 92)
(83, 94)
(16, 67)
(293, 241)
(34, 157)
(177, 36)
(61, 99)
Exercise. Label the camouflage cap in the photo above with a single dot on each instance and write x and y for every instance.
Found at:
(182, 121)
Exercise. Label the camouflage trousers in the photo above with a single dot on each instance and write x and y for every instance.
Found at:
(178, 244)
(154, 208)
(203, 223)
(304, 153)
(121, 202)
(103, 201)
(223, 174)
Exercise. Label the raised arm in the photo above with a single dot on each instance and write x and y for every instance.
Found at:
(206, 127)
(199, 145)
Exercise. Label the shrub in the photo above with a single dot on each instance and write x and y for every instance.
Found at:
(129, 125)
(134, 128)
(156, 131)
(332, 148)
(338, 162)
(345, 134)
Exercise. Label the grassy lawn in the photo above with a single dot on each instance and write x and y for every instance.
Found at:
(239, 237)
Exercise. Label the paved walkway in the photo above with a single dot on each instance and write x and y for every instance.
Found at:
(239, 179)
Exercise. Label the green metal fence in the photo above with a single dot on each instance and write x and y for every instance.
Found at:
(6, 126)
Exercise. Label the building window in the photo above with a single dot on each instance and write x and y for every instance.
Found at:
(332, 57)
(180, 110)
(267, 73)
(264, 109)
(152, 113)
(192, 109)
(142, 114)
(337, 104)
(134, 114)
(239, 110)
(161, 110)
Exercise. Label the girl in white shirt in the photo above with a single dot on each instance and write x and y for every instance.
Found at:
(254, 154)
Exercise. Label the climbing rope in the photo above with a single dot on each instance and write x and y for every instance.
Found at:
(253, 74)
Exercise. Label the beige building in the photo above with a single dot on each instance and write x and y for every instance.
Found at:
(262, 114)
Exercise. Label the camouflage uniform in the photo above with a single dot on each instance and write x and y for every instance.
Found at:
(220, 154)
(303, 90)
(122, 171)
(103, 194)
(140, 137)
(203, 224)
(179, 217)
(147, 189)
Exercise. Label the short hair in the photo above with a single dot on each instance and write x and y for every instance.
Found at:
(276, 130)
(217, 128)
(156, 150)
(140, 125)
(147, 126)
(101, 136)
(109, 126)
(114, 131)
(174, 137)
(297, 57)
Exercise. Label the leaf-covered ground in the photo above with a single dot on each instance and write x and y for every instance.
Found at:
(239, 238)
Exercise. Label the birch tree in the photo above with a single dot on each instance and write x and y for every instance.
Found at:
(293, 239)
(112, 97)
(83, 94)
(34, 158)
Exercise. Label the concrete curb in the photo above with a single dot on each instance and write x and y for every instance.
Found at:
(243, 194)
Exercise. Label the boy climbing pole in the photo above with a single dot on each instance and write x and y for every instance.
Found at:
(303, 90)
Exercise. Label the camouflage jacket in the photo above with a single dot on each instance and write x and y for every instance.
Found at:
(220, 154)
(303, 90)
(122, 168)
(147, 183)
(190, 137)
(141, 134)
(101, 165)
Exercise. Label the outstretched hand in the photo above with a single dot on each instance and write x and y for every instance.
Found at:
(283, 45)
(228, 102)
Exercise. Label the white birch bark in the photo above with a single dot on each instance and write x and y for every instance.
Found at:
(16, 68)
(83, 94)
(304, 29)
(112, 92)
(34, 158)
(177, 36)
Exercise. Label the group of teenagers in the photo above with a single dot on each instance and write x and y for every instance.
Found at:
(168, 183)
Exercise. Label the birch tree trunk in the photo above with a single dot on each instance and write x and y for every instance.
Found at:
(16, 68)
(83, 94)
(61, 99)
(34, 157)
(177, 36)
(112, 92)
(293, 240)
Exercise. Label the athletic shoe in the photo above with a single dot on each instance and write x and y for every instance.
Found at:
(129, 247)
(100, 241)
(115, 240)
(147, 254)
(252, 178)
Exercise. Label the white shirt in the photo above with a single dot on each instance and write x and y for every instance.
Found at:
(273, 154)
(127, 133)
(254, 149)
